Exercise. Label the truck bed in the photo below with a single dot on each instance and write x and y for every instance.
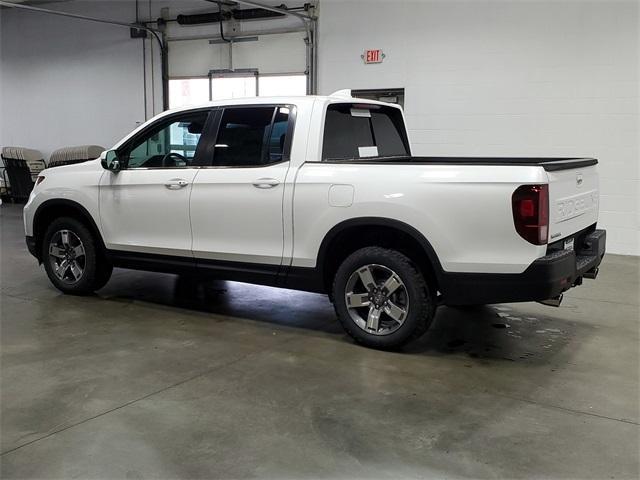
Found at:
(549, 164)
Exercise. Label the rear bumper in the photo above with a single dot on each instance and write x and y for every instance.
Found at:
(545, 278)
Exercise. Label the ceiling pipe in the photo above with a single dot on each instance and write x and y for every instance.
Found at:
(153, 31)
(248, 33)
(21, 6)
(301, 16)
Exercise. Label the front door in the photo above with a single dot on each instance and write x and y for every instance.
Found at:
(144, 207)
(236, 202)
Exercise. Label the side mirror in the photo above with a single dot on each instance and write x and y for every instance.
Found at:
(110, 161)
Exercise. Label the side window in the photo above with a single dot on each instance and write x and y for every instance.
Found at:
(345, 134)
(278, 135)
(171, 144)
(388, 128)
(355, 131)
(251, 136)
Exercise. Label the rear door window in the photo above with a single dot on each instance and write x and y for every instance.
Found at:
(354, 131)
(251, 136)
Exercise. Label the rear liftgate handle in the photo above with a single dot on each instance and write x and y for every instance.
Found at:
(266, 183)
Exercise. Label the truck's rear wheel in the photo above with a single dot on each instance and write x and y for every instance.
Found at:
(381, 299)
(72, 258)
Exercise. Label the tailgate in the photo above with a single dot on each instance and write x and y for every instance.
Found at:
(573, 201)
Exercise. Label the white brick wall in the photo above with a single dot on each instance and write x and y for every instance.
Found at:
(523, 78)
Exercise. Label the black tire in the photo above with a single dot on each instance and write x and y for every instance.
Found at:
(420, 301)
(95, 269)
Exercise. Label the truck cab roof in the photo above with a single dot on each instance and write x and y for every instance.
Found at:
(337, 97)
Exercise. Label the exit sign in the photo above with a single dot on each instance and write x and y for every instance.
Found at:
(373, 56)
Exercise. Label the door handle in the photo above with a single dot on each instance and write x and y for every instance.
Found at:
(266, 183)
(176, 183)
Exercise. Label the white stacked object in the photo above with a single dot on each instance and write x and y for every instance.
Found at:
(78, 154)
(33, 158)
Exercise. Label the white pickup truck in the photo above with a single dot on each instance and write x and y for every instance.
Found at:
(320, 194)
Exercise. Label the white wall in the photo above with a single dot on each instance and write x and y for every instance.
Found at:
(552, 78)
(68, 82)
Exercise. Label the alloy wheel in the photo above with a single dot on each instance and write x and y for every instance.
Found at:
(67, 256)
(377, 299)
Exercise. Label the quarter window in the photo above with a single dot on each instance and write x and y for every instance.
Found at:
(278, 135)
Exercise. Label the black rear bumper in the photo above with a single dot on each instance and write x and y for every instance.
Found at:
(545, 278)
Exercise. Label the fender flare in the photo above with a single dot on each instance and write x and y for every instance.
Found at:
(381, 222)
(70, 204)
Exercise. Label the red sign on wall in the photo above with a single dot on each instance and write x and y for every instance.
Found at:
(373, 56)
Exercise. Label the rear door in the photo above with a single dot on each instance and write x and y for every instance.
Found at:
(573, 200)
(237, 200)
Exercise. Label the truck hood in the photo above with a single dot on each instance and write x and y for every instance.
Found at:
(89, 165)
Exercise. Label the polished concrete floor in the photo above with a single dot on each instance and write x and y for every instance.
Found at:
(156, 376)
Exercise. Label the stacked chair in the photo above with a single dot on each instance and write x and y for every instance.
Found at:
(71, 155)
(21, 168)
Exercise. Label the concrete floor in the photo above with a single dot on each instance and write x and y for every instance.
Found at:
(157, 377)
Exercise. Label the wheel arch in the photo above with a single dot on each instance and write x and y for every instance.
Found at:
(354, 233)
(56, 208)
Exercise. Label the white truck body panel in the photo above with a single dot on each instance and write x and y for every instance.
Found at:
(76, 183)
(573, 201)
(463, 210)
(232, 220)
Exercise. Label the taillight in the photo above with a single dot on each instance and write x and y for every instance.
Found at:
(531, 212)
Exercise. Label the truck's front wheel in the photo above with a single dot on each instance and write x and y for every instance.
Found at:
(381, 299)
(72, 258)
